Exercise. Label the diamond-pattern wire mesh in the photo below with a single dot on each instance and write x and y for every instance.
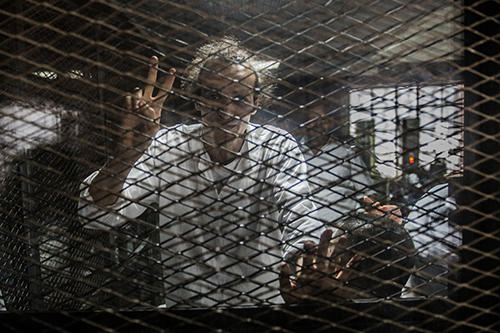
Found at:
(392, 100)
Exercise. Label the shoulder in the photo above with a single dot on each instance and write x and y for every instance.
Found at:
(340, 149)
(440, 190)
(436, 194)
(433, 204)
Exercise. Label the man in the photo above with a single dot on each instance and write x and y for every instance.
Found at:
(340, 183)
(232, 196)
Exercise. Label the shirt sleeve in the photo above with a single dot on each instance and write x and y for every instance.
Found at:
(297, 212)
(428, 224)
(139, 191)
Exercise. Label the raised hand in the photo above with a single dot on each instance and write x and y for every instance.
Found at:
(320, 276)
(141, 120)
(391, 211)
(139, 124)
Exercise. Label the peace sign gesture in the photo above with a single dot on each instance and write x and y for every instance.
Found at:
(141, 120)
(320, 276)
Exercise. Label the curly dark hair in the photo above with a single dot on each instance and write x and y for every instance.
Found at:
(229, 50)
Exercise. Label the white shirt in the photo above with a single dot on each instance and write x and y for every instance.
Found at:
(339, 180)
(435, 240)
(428, 225)
(218, 248)
(2, 303)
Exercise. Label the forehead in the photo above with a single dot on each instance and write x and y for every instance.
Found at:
(318, 110)
(313, 112)
(220, 75)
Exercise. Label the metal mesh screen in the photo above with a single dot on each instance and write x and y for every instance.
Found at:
(249, 165)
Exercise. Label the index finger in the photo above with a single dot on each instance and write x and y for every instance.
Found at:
(324, 244)
(151, 79)
(308, 256)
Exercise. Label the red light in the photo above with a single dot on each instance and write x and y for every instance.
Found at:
(412, 159)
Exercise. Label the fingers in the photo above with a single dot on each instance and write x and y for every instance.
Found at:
(324, 243)
(169, 80)
(151, 79)
(336, 258)
(371, 205)
(368, 200)
(128, 103)
(136, 98)
(166, 86)
(397, 216)
(393, 212)
(339, 247)
(285, 274)
(286, 286)
(346, 272)
(393, 209)
(309, 255)
(388, 208)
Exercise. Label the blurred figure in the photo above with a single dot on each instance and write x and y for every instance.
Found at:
(386, 250)
(339, 179)
(437, 239)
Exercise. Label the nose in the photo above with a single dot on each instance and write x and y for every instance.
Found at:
(227, 109)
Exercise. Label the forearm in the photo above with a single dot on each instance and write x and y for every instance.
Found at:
(106, 186)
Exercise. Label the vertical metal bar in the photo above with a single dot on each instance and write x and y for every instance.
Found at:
(32, 235)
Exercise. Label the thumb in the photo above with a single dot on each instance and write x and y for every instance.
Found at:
(285, 274)
(286, 287)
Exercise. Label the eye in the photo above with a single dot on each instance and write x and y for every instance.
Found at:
(212, 95)
(215, 95)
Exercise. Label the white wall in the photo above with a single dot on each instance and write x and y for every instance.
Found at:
(440, 111)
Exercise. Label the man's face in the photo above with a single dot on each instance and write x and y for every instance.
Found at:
(227, 98)
(319, 123)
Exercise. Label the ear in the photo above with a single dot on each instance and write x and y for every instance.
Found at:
(197, 106)
(195, 96)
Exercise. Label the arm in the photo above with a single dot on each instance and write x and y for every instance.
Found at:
(297, 216)
(139, 124)
(318, 274)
